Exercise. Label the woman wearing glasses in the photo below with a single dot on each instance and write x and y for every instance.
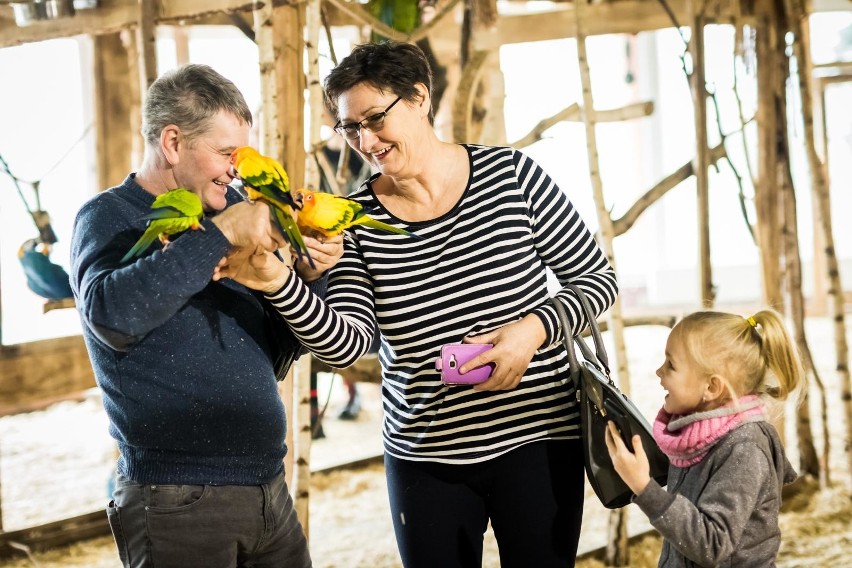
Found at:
(488, 222)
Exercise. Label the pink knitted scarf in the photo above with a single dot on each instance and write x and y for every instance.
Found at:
(687, 439)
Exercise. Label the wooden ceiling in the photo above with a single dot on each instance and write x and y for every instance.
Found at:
(610, 16)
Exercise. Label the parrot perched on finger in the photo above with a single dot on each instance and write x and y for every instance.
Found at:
(264, 179)
(172, 212)
(330, 214)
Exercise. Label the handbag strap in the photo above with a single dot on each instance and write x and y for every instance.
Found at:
(600, 350)
(568, 342)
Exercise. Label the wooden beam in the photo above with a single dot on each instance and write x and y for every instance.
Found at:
(623, 17)
(146, 42)
(112, 16)
(55, 534)
(42, 369)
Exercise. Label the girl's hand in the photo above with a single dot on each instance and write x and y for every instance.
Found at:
(258, 270)
(633, 468)
(325, 252)
(514, 347)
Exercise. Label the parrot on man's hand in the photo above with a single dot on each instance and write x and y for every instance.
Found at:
(330, 214)
(172, 212)
(264, 179)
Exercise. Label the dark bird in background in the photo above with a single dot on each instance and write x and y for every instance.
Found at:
(45, 278)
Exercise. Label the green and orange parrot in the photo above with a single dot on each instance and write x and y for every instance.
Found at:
(329, 214)
(264, 179)
(172, 212)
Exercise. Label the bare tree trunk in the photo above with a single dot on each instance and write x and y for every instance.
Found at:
(702, 158)
(796, 13)
(617, 548)
(777, 176)
(808, 460)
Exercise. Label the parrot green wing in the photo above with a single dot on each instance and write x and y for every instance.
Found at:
(148, 237)
(172, 212)
(287, 224)
(184, 201)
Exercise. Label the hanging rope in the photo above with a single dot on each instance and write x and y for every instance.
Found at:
(40, 217)
(45, 278)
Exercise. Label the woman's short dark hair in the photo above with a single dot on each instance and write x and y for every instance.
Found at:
(387, 66)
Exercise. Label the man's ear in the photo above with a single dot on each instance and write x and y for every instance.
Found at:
(170, 142)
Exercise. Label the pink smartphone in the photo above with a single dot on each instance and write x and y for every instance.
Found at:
(454, 355)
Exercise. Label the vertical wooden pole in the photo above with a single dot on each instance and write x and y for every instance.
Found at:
(617, 546)
(180, 34)
(302, 375)
(134, 96)
(766, 189)
(115, 105)
(278, 33)
(146, 40)
(702, 156)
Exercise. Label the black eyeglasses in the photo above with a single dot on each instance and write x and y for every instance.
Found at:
(372, 123)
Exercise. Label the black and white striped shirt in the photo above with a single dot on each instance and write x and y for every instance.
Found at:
(476, 268)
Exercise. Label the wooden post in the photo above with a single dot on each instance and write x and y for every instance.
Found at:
(115, 105)
(302, 376)
(146, 40)
(766, 189)
(278, 33)
(180, 34)
(134, 97)
(617, 547)
(702, 173)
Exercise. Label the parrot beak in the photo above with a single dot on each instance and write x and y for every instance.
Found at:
(299, 198)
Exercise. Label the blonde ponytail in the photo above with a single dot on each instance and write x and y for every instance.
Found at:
(778, 351)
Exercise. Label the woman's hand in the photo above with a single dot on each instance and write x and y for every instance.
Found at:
(258, 270)
(514, 347)
(633, 468)
(324, 251)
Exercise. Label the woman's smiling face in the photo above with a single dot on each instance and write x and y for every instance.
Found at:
(392, 148)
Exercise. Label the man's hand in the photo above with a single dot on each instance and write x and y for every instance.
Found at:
(262, 271)
(248, 225)
(325, 252)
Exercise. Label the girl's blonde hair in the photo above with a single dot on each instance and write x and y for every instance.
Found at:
(744, 350)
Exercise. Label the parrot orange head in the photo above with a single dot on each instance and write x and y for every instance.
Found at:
(239, 156)
(304, 197)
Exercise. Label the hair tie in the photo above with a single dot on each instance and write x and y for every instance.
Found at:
(751, 322)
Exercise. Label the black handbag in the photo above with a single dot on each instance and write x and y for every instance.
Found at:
(601, 401)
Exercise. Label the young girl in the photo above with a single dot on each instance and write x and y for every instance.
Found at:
(727, 462)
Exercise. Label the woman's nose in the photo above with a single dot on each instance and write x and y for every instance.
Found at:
(366, 140)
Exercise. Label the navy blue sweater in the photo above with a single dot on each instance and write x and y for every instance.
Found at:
(185, 364)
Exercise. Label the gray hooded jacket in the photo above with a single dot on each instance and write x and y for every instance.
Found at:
(723, 511)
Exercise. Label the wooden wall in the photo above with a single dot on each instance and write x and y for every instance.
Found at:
(33, 374)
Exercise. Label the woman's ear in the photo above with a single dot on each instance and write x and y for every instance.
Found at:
(425, 100)
(170, 143)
